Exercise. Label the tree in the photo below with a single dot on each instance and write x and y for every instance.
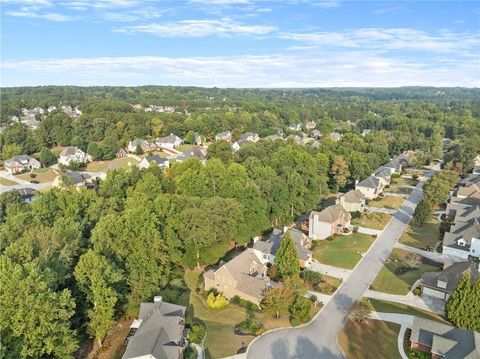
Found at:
(157, 126)
(339, 171)
(138, 150)
(300, 309)
(11, 150)
(47, 157)
(423, 211)
(278, 300)
(286, 258)
(7, 200)
(34, 324)
(359, 311)
(97, 278)
(221, 150)
(94, 151)
(462, 308)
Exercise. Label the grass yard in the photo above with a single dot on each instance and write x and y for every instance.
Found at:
(42, 175)
(329, 285)
(391, 278)
(6, 182)
(103, 166)
(184, 147)
(399, 190)
(372, 220)
(404, 181)
(343, 251)
(391, 307)
(387, 202)
(373, 340)
(423, 236)
(154, 153)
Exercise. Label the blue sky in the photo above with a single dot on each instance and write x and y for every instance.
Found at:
(240, 43)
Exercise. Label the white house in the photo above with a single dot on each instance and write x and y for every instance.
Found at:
(73, 154)
(371, 187)
(463, 240)
(149, 160)
(224, 136)
(169, 142)
(332, 220)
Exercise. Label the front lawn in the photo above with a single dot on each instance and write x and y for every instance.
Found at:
(41, 175)
(423, 236)
(389, 202)
(6, 182)
(103, 166)
(155, 153)
(374, 220)
(342, 251)
(372, 340)
(396, 277)
(328, 285)
(391, 307)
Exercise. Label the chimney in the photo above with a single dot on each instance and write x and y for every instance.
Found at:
(157, 299)
(285, 229)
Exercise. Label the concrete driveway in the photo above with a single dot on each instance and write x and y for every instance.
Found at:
(318, 339)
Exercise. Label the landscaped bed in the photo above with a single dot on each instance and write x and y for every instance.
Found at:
(398, 274)
(423, 236)
(374, 220)
(103, 166)
(372, 340)
(342, 251)
(40, 175)
(389, 202)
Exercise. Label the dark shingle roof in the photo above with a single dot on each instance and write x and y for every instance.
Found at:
(271, 245)
(369, 182)
(450, 275)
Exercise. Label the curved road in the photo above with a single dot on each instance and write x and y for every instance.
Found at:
(318, 340)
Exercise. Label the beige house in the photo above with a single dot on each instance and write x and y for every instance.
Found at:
(332, 220)
(371, 187)
(352, 201)
(245, 276)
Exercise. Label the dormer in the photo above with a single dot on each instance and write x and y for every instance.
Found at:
(441, 284)
(461, 242)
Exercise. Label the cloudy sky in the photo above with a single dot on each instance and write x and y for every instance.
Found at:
(240, 43)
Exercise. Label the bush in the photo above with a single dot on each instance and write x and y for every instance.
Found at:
(217, 302)
(235, 300)
(33, 175)
(300, 309)
(313, 298)
(248, 305)
(294, 322)
(311, 277)
(197, 332)
(396, 175)
(189, 353)
(272, 272)
(417, 291)
(251, 325)
(356, 214)
(414, 176)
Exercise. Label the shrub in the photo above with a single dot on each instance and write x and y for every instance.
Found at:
(189, 353)
(311, 277)
(217, 302)
(247, 305)
(313, 298)
(251, 325)
(300, 309)
(414, 176)
(396, 175)
(294, 322)
(197, 332)
(356, 214)
(235, 300)
(417, 291)
(33, 175)
(272, 272)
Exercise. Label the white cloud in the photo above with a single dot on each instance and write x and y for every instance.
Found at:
(326, 4)
(352, 68)
(33, 14)
(220, 2)
(200, 28)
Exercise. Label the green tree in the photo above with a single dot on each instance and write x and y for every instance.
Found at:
(339, 171)
(221, 150)
(97, 278)
(47, 157)
(157, 126)
(463, 308)
(94, 151)
(286, 258)
(11, 150)
(138, 150)
(423, 211)
(36, 323)
(277, 301)
(301, 307)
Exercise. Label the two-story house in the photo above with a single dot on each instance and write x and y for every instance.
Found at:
(73, 154)
(332, 220)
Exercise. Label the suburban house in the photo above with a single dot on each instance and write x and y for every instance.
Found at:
(441, 284)
(149, 160)
(384, 175)
(73, 154)
(295, 127)
(468, 194)
(352, 201)
(21, 163)
(169, 142)
(144, 145)
(310, 125)
(193, 152)
(295, 138)
(443, 340)
(76, 179)
(121, 153)
(199, 140)
(463, 239)
(245, 276)
(27, 194)
(250, 137)
(224, 136)
(335, 136)
(266, 250)
(366, 132)
(446, 142)
(371, 187)
(315, 133)
(158, 333)
(332, 220)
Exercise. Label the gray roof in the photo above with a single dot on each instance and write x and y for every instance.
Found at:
(450, 275)
(138, 142)
(382, 172)
(369, 182)
(473, 178)
(332, 214)
(466, 230)
(24, 160)
(395, 164)
(191, 153)
(353, 196)
(157, 159)
(446, 340)
(224, 134)
(70, 151)
(159, 333)
(271, 245)
(76, 177)
(462, 213)
(168, 139)
(25, 192)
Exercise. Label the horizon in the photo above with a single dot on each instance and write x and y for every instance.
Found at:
(240, 43)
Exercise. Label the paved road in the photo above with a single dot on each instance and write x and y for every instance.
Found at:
(318, 340)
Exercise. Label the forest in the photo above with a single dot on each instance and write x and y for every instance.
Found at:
(83, 259)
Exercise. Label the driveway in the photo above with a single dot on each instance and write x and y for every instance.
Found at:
(318, 339)
(434, 256)
(332, 271)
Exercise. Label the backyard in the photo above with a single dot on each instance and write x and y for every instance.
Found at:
(389, 202)
(342, 251)
(372, 340)
(396, 276)
(103, 166)
(422, 236)
(41, 175)
(403, 181)
(374, 220)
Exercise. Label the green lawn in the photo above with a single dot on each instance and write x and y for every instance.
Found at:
(389, 280)
(41, 175)
(391, 307)
(342, 251)
(387, 202)
(375, 339)
(399, 190)
(404, 181)
(372, 220)
(422, 236)
(184, 147)
(329, 284)
(102, 166)
(6, 182)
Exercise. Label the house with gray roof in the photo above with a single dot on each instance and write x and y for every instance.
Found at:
(443, 340)
(157, 160)
(143, 144)
(332, 220)
(266, 250)
(384, 174)
(394, 166)
(224, 136)
(244, 276)
(463, 239)
(335, 136)
(169, 142)
(74, 179)
(370, 187)
(21, 163)
(73, 154)
(193, 152)
(441, 284)
(158, 333)
(352, 201)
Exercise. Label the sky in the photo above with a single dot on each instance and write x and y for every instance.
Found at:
(240, 43)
